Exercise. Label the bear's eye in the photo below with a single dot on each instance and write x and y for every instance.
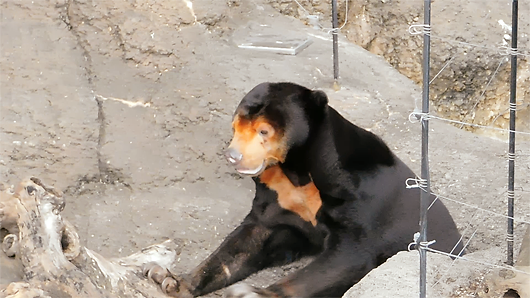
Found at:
(263, 132)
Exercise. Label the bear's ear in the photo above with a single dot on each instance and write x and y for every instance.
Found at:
(320, 98)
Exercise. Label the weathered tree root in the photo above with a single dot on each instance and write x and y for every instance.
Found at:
(55, 264)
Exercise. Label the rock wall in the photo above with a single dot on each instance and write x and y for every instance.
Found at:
(468, 43)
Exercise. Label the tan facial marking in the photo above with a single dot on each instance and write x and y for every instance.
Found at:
(303, 200)
(258, 142)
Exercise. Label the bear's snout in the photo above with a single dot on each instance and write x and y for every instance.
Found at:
(233, 156)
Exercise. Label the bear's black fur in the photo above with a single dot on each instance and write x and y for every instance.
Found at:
(324, 187)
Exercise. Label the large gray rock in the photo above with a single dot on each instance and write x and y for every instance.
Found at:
(398, 277)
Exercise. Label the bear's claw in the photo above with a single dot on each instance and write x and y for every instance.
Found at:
(170, 284)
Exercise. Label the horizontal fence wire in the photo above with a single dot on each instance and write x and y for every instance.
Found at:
(419, 116)
(501, 50)
(323, 28)
(464, 258)
(416, 183)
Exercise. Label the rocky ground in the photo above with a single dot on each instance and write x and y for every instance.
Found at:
(126, 107)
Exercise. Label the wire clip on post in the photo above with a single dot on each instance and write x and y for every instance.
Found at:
(419, 245)
(416, 183)
(417, 116)
(420, 29)
(505, 51)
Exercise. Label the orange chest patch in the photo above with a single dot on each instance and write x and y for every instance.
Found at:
(302, 200)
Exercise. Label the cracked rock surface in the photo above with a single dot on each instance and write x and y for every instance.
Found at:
(126, 107)
(49, 115)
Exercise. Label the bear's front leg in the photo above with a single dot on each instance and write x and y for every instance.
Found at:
(330, 274)
(241, 254)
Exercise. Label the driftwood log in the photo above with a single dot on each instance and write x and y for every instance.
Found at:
(54, 264)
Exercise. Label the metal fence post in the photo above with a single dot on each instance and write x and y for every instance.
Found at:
(335, 25)
(511, 149)
(425, 179)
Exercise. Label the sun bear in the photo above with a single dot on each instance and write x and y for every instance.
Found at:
(324, 188)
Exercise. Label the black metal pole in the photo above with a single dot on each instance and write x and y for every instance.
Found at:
(425, 179)
(511, 149)
(335, 25)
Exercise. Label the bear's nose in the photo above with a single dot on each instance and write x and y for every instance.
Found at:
(233, 156)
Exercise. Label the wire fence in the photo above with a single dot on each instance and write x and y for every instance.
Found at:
(508, 52)
(424, 116)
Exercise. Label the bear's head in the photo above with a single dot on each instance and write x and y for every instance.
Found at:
(270, 120)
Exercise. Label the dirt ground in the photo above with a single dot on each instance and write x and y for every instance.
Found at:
(126, 107)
